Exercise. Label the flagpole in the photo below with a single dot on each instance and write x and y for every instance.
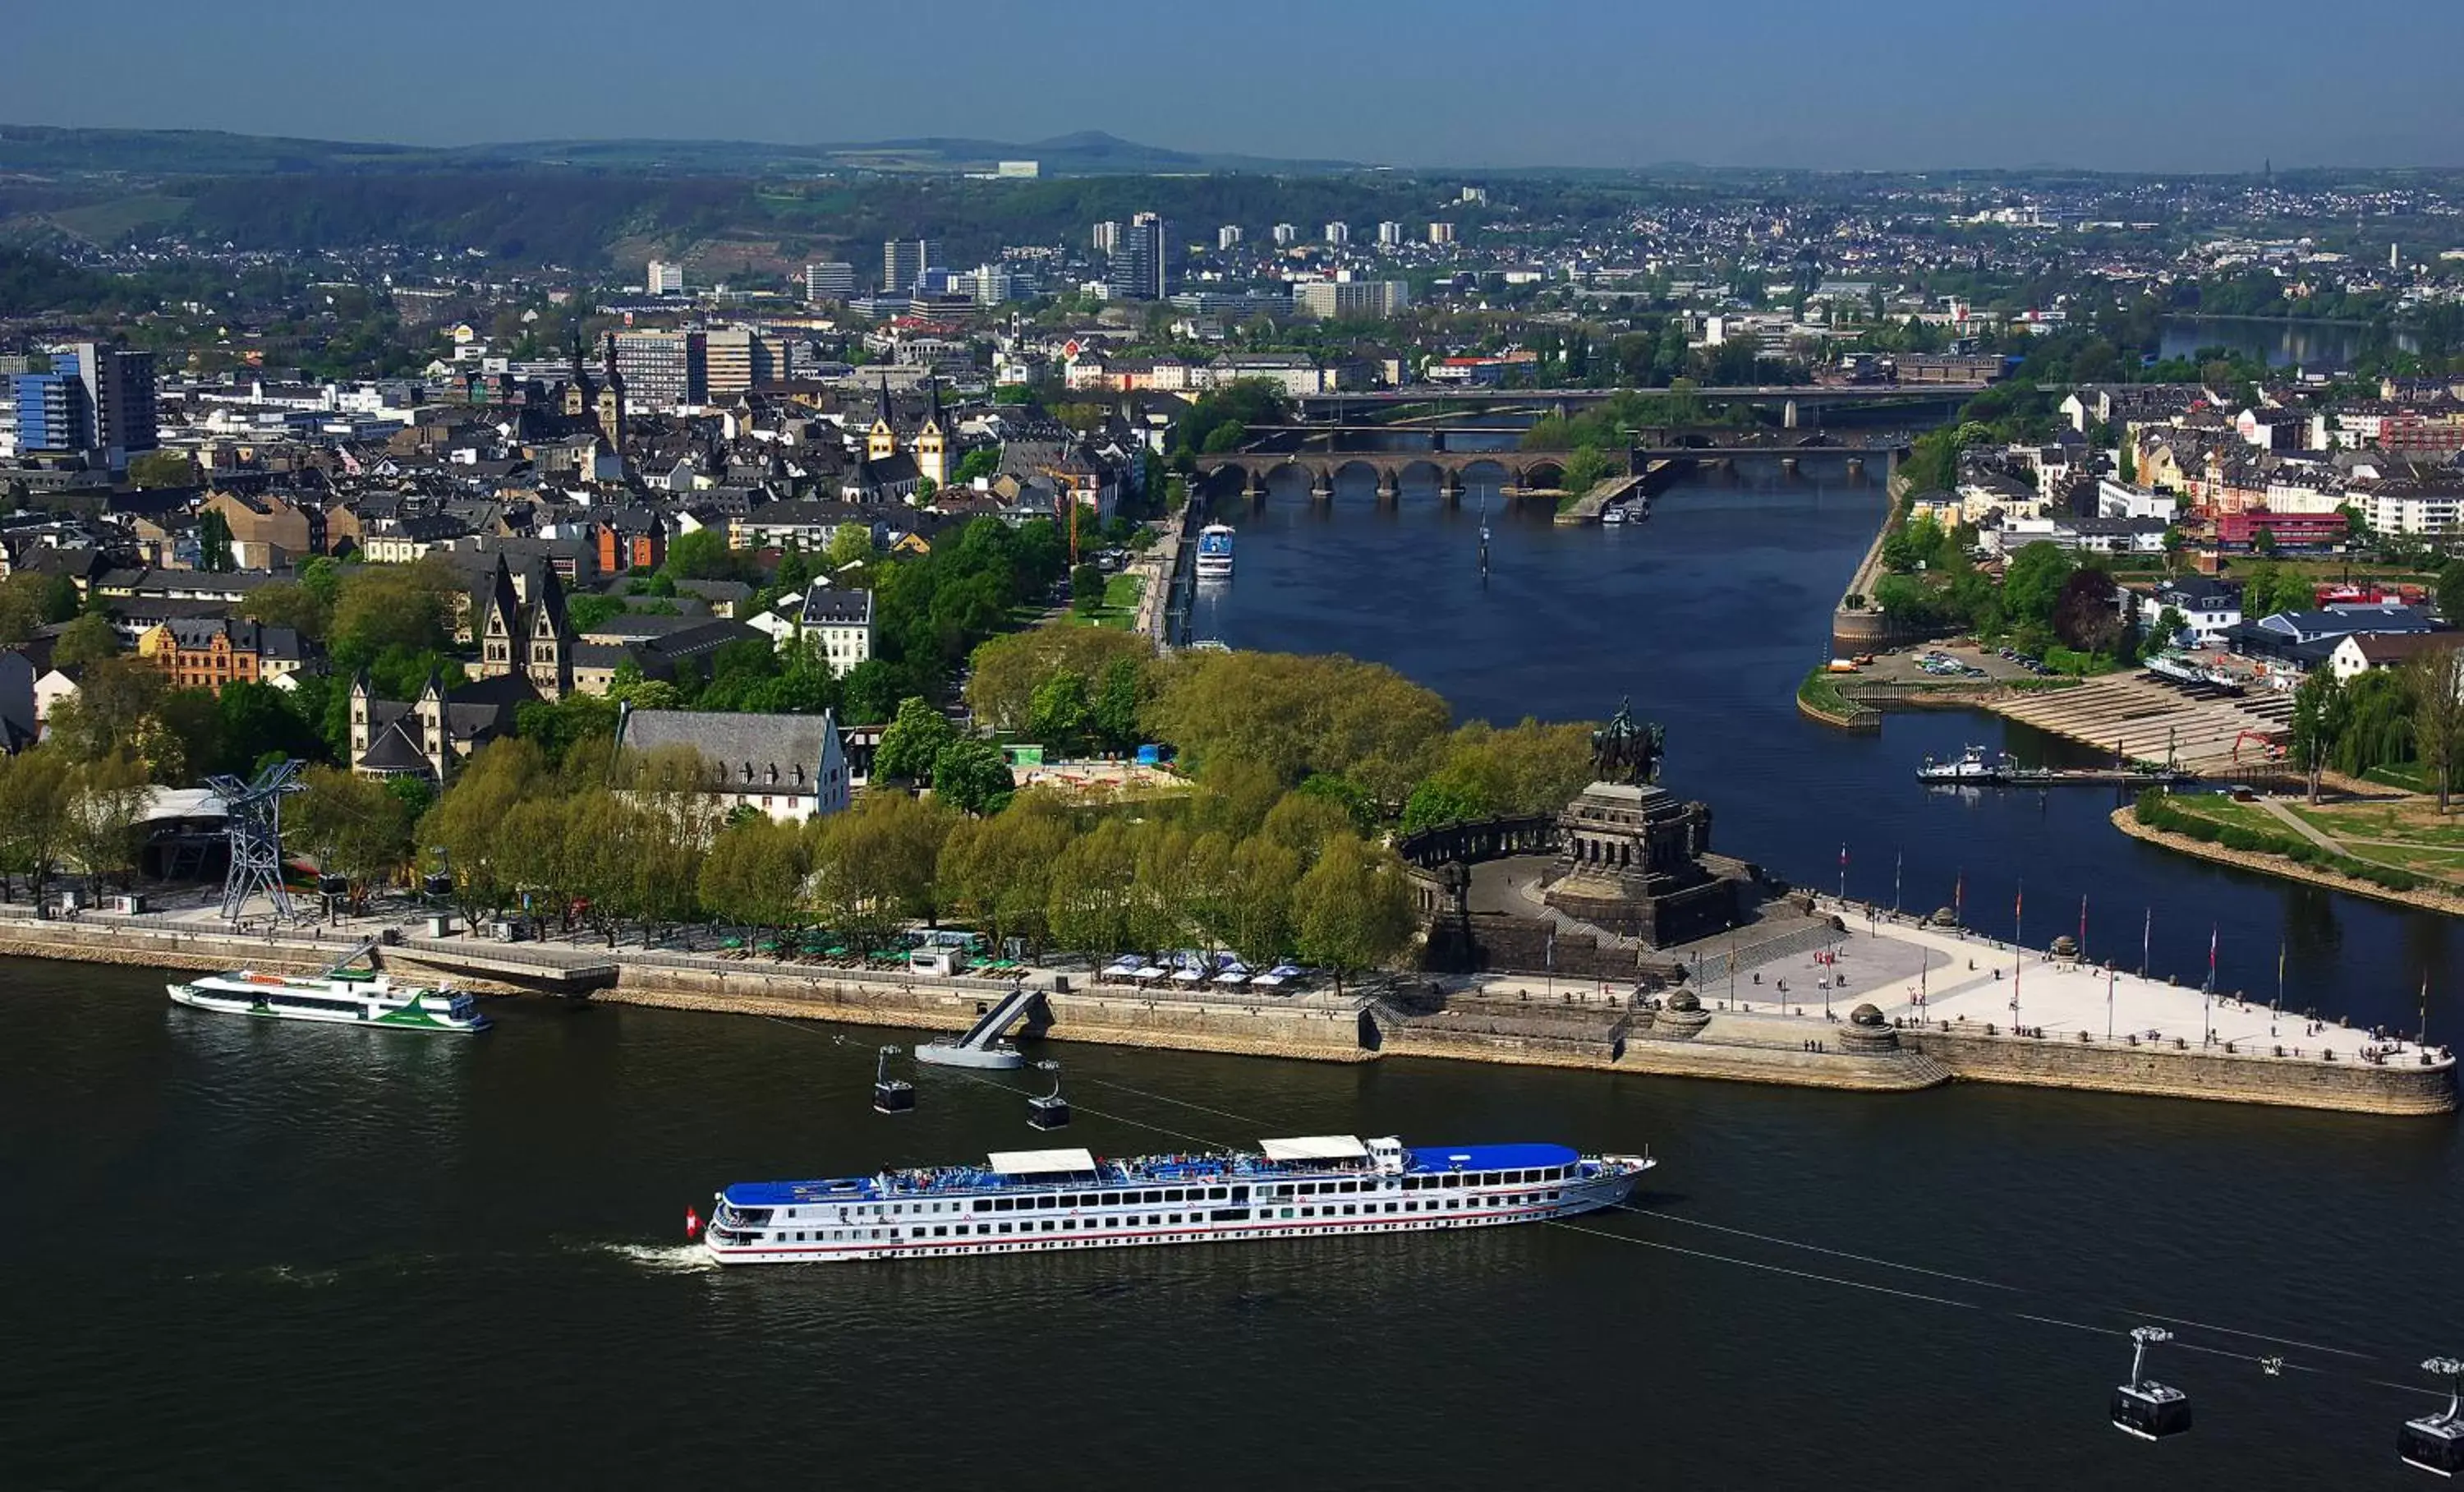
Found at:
(1899, 863)
(2278, 1006)
(2018, 949)
(1959, 901)
(2108, 1000)
(2082, 948)
(2146, 935)
(1843, 873)
(2422, 1038)
(2207, 997)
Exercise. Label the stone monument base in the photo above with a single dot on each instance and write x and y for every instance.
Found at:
(1631, 863)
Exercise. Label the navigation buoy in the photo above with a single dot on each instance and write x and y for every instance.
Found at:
(692, 1225)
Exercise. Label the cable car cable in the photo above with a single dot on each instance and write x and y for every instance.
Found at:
(1812, 1248)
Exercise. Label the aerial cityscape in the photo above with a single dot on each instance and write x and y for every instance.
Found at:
(1852, 711)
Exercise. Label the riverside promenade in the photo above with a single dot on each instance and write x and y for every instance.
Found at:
(1900, 1008)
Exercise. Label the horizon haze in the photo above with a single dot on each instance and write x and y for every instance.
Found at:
(1902, 85)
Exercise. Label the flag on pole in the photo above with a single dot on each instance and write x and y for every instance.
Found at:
(1843, 854)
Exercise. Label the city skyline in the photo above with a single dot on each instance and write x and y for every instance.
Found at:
(1915, 85)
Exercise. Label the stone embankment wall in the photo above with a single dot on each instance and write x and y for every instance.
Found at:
(2402, 1087)
(1281, 1029)
(200, 951)
(1730, 1047)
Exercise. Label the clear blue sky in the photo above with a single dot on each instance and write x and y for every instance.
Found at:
(2125, 85)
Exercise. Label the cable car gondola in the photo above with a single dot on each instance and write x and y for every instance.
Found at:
(891, 1095)
(1051, 1110)
(2435, 1442)
(2143, 1407)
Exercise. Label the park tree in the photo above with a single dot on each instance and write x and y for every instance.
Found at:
(1086, 586)
(468, 822)
(2318, 716)
(162, 469)
(997, 871)
(35, 787)
(1585, 468)
(873, 867)
(1092, 889)
(1007, 670)
(913, 741)
(2032, 583)
(701, 555)
(850, 544)
(1235, 795)
(1352, 910)
(31, 600)
(1120, 694)
(2451, 591)
(755, 871)
(88, 640)
(112, 712)
(2437, 679)
(1257, 898)
(1164, 889)
(108, 797)
(1305, 822)
(2085, 615)
(1057, 716)
(971, 775)
(354, 827)
(984, 462)
(391, 607)
(215, 542)
(290, 604)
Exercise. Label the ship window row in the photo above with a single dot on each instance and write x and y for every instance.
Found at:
(310, 1002)
(1147, 1199)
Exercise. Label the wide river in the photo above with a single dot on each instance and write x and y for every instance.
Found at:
(252, 1256)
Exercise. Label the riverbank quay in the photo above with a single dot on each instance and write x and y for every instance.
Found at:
(1856, 626)
(1990, 1011)
(1933, 1018)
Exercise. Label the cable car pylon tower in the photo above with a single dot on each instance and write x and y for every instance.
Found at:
(254, 826)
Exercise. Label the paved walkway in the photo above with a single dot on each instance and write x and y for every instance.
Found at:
(2300, 826)
(1988, 982)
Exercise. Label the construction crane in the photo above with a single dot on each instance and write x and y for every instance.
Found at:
(252, 823)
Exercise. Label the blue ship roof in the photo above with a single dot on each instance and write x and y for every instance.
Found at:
(799, 1193)
(1419, 1160)
(1487, 1157)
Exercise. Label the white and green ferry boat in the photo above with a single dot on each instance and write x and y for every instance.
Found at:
(350, 996)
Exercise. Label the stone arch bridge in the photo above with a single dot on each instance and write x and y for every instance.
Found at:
(1528, 471)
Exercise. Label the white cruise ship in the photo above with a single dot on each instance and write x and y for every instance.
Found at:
(1022, 1201)
(349, 996)
(1214, 553)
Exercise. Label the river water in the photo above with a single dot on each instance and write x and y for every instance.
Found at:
(2316, 347)
(279, 1256)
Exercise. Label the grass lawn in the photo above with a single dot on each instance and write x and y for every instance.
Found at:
(1119, 609)
(2415, 823)
(2225, 811)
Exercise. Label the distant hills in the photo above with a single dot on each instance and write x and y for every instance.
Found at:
(201, 152)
